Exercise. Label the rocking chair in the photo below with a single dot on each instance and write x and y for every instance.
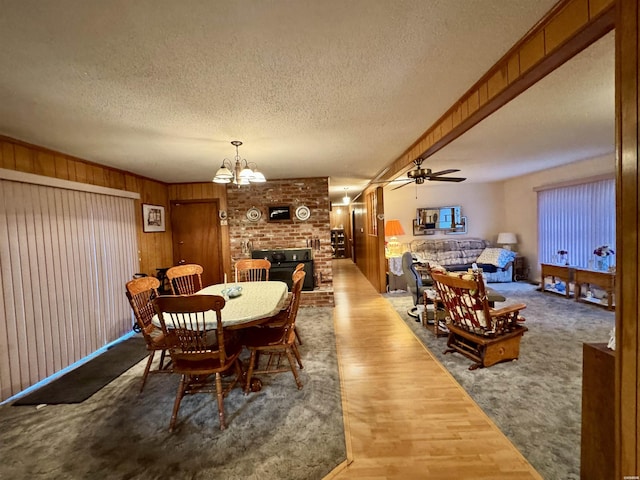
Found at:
(483, 334)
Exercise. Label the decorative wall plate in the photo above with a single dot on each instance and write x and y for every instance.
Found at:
(254, 214)
(303, 213)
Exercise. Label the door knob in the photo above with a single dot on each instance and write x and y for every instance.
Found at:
(182, 262)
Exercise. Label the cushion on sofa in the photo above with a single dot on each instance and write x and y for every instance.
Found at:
(496, 256)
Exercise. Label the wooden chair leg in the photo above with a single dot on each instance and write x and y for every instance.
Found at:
(220, 398)
(252, 360)
(295, 330)
(176, 404)
(296, 352)
(162, 365)
(146, 369)
(294, 370)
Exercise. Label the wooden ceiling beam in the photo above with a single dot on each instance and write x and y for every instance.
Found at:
(567, 29)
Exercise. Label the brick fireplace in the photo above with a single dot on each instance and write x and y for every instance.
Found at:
(246, 235)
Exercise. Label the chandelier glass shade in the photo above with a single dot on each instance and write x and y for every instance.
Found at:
(239, 171)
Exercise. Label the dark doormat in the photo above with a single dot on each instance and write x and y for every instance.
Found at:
(82, 382)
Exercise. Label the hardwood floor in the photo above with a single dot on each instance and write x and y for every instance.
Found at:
(405, 416)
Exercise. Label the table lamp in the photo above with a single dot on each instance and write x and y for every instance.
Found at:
(392, 229)
(506, 239)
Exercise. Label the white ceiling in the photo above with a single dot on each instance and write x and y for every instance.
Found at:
(334, 88)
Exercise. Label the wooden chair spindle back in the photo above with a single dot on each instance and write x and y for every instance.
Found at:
(185, 279)
(252, 270)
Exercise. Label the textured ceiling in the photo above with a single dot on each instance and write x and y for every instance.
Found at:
(333, 88)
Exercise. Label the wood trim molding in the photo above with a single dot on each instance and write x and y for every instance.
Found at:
(627, 376)
(23, 177)
(567, 29)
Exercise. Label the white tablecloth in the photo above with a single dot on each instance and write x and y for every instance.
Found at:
(258, 300)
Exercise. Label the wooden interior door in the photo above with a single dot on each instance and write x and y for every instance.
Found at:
(196, 237)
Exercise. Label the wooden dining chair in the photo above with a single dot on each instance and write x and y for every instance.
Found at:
(252, 270)
(140, 293)
(185, 279)
(276, 338)
(196, 353)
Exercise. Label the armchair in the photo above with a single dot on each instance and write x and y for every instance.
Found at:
(483, 334)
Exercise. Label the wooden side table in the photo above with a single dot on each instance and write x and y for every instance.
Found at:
(431, 318)
(562, 272)
(604, 280)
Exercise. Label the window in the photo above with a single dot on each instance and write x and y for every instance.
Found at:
(578, 219)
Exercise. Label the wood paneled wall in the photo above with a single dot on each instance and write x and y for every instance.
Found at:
(154, 248)
(627, 399)
(369, 237)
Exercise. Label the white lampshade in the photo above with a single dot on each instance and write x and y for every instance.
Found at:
(224, 172)
(506, 239)
(246, 173)
(258, 177)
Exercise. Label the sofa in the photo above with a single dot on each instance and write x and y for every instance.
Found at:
(461, 253)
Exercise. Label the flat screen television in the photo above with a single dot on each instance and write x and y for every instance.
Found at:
(279, 213)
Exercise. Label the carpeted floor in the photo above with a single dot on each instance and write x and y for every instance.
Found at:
(278, 433)
(536, 400)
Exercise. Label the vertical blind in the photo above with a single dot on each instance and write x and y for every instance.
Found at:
(65, 256)
(578, 219)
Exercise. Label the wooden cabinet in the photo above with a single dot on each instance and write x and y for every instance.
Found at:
(598, 391)
(338, 242)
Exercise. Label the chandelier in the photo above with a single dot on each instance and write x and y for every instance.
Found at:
(240, 173)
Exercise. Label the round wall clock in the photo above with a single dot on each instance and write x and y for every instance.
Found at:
(254, 214)
(303, 213)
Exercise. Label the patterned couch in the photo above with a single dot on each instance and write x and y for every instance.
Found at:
(460, 253)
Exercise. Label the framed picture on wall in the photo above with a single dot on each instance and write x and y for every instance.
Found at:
(153, 218)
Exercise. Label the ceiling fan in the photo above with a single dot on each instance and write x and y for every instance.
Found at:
(418, 175)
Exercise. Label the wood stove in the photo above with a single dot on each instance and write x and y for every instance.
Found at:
(284, 261)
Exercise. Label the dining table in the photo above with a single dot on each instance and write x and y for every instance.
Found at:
(257, 302)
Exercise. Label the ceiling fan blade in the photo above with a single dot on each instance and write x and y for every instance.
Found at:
(446, 179)
(400, 186)
(444, 172)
